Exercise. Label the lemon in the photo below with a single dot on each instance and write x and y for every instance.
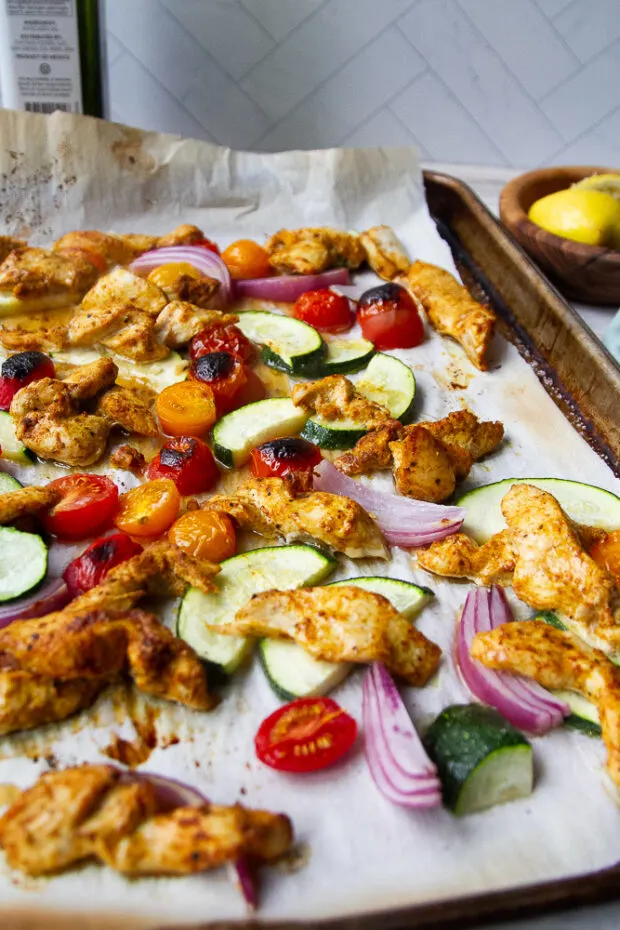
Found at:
(607, 183)
(588, 216)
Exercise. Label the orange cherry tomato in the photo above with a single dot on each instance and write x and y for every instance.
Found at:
(247, 259)
(166, 275)
(606, 552)
(305, 735)
(205, 534)
(186, 408)
(149, 509)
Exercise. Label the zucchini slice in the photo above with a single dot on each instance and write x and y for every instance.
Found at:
(237, 433)
(8, 483)
(12, 448)
(584, 715)
(481, 759)
(292, 673)
(584, 503)
(23, 562)
(289, 345)
(387, 381)
(281, 567)
(344, 356)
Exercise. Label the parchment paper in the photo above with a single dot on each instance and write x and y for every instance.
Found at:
(67, 172)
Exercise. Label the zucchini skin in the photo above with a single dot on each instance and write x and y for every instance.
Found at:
(584, 726)
(327, 438)
(299, 365)
(223, 455)
(278, 690)
(460, 739)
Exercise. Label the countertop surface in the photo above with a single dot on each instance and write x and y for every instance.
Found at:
(487, 183)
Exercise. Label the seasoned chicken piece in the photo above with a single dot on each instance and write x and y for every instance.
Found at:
(20, 339)
(95, 812)
(452, 311)
(274, 507)
(312, 250)
(127, 458)
(120, 312)
(427, 458)
(28, 700)
(109, 249)
(161, 569)
(542, 556)
(558, 660)
(341, 624)
(196, 288)
(122, 407)
(48, 418)
(179, 322)
(186, 234)
(39, 278)
(78, 644)
(11, 244)
(335, 398)
(26, 501)
(385, 253)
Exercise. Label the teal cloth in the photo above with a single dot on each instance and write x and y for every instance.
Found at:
(611, 337)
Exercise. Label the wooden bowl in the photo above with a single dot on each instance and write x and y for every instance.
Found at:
(589, 273)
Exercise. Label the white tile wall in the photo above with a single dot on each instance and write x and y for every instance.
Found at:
(507, 82)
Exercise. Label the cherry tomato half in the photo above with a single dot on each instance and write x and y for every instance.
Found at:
(224, 374)
(149, 509)
(186, 409)
(188, 462)
(222, 338)
(282, 456)
(167, 275)
(205, 534)
(89, 569)
(389, 318)
(86, 507)
(19, 370)
(247, 259)
(326, 311)
(606, 552)
(305, 735)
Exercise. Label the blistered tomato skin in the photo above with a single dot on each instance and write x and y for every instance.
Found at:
(325, 310)
(205, 534)
(282, 457)
(21, 369)
(222, 338)
(224, 374)
(389, 318)
(89, 569)
(188, 462)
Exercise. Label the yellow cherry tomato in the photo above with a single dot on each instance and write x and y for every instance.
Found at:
(149, 509)
(186, 408)
(166, 275)
(606, 552)
(205, 534)
(247, 259)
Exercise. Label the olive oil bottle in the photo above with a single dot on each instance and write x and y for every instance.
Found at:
(50, 56)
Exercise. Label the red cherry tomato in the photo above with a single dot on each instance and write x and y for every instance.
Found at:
(90, 568)
(252, 390)
(305, 735)
(222, 338)
(326, 311)
(224, 374)
(205, 243)
(282, 456)
(188, 462)
(19, 370)
(389, 318)
(87, 506)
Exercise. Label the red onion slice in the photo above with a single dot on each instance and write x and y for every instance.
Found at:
(209, 263)
(52, 595)
(244, 877)
(523, 702)
(398, 763)
(287, 288)
(404, 522)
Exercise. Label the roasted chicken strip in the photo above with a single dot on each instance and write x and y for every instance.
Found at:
(427, 458)
(341, 624)
(558, 660)
(335, 398)
(180, 321)
(315, 249)
(385, 253)
(38, 278)
(275, 507)
(122, 407)
(542, 556)
(96, 812)
(28, 700)
(112, 250)
(452, 311)
(26, 501)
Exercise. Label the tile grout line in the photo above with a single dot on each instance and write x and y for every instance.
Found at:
(386, 106)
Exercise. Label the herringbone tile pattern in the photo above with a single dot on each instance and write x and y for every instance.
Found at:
(506, 82)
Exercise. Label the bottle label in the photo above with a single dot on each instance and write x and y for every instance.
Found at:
(40, 56)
